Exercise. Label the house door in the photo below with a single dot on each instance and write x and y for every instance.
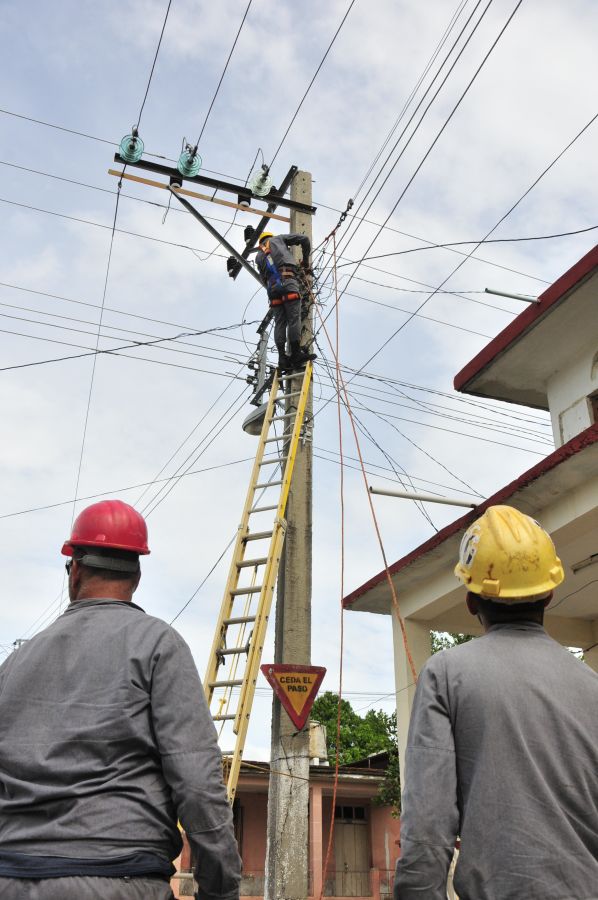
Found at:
(352, 859)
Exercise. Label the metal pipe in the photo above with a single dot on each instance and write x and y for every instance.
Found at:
(527, 298)
(215, 234)
(425, 498)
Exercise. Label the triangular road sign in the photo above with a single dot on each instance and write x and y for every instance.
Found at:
(296, 688)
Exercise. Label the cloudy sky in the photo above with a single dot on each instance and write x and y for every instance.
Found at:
(435, 118)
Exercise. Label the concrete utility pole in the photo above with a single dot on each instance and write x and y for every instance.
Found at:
(287, 863)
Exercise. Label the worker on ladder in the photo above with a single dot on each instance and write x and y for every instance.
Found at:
(107, 741)
(502, 740)
(278, 271)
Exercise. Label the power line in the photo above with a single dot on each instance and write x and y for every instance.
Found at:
(93, 137)
(322, 61)
(425, 112)
(95, 187)
(493, 229)
(122, 490)
(477, 242)
(121, 312)
(145, 237)
(416, 237)
(151, 74)
(413, 93)
(223, 73)
(113, 350)
(443, 127)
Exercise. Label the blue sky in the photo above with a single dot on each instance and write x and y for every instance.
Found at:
(85, 66)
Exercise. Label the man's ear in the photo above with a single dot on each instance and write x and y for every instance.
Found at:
(472, 603)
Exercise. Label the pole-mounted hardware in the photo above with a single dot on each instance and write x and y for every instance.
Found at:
(131, 147)
(209, 227)
(189, 162)
(260, 182)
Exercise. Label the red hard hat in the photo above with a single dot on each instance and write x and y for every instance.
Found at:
(110, 523)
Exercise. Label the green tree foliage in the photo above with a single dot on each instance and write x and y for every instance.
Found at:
(360, 736)
(442, 640)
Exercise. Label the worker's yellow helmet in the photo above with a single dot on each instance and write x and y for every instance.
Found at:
(507, 557)
(264, 236)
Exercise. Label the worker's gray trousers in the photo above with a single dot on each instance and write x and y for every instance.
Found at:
(287, 316)
(85, 887)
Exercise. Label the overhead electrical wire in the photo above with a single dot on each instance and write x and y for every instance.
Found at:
(93, 137)
(309, 87)
(205, 121)
(145, 237)
(103, 190)
(98, 352)
(491, 231)
(122, 490)
(132, 315)
(454, 18)
(477, 242)
(440, 132)
(349, 237)
(416, 237)
(151, 74)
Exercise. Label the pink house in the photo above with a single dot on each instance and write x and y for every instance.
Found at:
(365, 844)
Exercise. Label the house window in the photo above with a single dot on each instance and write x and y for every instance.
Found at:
(349, 813)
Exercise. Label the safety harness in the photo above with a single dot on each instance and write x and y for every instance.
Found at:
(277, 278)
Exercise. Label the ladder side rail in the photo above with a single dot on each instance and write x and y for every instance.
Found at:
(239, 549)
(241, 724)
(270, 575)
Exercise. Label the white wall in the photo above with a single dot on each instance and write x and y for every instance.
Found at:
(568, 391)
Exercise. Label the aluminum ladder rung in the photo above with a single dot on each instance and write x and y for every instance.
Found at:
(282, 397)
(253, 589)
(250, 616)
(230, 651)
(257, 535)
(275, 461)
(250, 563)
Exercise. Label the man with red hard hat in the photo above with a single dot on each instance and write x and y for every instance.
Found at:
(107, 741)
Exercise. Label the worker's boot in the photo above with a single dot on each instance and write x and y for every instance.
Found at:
(299, 355)
(284, 361)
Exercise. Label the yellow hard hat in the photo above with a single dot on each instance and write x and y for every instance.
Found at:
(507, 557)
(264, 235)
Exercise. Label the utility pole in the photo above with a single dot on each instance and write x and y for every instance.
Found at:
(287, 857)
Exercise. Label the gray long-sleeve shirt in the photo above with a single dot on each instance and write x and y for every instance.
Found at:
(282, 258)
(105, 739)
(503, 752)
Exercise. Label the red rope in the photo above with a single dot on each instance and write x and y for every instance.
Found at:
(342, 584)
(395, 599)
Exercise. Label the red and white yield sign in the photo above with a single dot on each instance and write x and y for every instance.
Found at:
(296, 688)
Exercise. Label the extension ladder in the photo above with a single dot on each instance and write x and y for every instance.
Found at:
(240, 633)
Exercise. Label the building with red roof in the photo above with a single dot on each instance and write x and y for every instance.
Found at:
(547, 358)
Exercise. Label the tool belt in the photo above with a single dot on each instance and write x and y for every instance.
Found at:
(278, 301)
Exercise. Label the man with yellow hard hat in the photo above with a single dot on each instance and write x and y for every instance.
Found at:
(503, 740)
